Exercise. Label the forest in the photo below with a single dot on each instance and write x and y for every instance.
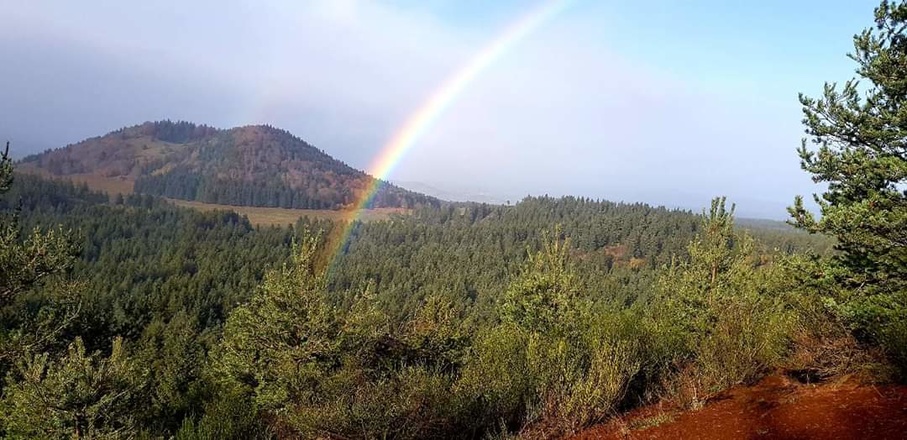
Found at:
(129, 317)
(256, 165)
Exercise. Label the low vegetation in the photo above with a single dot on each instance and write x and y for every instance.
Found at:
(262, 216)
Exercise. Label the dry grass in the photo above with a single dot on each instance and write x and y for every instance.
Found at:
(284, 216)
(651, 421)
(835, 353)
(110, 185)
(257, 215)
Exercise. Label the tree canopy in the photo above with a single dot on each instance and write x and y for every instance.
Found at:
(857, 144)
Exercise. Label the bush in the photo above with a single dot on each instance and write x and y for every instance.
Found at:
(721, 312)
(553, 365)
(316, 370)
(547, 384)
(598, 391)
(413, 402)
(79, 394)
(228, 416)
(497, 378)
(822, 342)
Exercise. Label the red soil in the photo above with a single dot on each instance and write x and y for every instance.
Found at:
(776, 408)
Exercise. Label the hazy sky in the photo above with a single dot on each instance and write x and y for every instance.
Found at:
(667, 102)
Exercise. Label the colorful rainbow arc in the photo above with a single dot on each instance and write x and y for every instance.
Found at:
(429, 112)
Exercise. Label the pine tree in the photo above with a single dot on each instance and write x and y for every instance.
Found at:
(80, 395)
(861, 139)
(24, 263)
(545, 295)
(282, 341)
(720, 312)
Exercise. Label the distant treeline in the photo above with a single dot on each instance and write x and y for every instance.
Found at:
(309, 193)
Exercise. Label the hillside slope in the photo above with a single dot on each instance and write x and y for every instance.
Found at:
(247, 166)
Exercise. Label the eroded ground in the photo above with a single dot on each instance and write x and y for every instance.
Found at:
(776, 408)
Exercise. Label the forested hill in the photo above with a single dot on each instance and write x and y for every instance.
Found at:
(248, 166)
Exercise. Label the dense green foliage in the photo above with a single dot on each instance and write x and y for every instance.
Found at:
(861, 154)
(27, 261)
(77, 394)
(173, 314)
(724, 308)
(161, 278)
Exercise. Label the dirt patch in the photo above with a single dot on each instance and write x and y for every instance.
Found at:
(776, 408)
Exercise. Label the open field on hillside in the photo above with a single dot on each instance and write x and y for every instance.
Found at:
(283, 216)
(257, 215)
(110, 185)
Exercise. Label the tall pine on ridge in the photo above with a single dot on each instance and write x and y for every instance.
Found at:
(860, 134)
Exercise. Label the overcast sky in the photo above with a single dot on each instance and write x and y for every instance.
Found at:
(666, 102)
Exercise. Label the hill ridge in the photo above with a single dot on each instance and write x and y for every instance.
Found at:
(250, 165)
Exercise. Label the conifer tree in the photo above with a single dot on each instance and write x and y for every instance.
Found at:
(859, 133)
(79, 395)
(860, 137)
(26, 262)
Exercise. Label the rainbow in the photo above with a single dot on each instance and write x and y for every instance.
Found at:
(431, 110)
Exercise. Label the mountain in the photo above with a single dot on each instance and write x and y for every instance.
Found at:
(256, 165)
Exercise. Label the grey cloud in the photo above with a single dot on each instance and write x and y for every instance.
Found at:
(561, 113)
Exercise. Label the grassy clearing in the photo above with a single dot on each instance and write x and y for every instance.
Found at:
(110, 185)
(262, 216)
(283, 216)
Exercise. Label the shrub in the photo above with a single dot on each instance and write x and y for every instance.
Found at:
(315, 370)
(601, 386)
(553, 365)
(81, 394)
(230, 415)
(497, 377)
(721, 312)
